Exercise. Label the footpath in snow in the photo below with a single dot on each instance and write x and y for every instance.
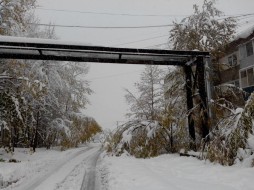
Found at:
(168, 172)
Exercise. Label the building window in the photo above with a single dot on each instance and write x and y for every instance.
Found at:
(244, 81)
(250, 77)
(247, 77)
(232, 60)
(249, 48)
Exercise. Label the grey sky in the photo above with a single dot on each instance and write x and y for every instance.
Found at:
(108, 80)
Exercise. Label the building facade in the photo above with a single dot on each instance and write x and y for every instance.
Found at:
(237, 66)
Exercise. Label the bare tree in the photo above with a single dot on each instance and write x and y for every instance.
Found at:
(147, 104)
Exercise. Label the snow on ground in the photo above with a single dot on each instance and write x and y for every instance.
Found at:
(171, 172)
(46, 169)
(56, 170)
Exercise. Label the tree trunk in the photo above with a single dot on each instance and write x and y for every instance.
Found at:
(35, 141)
(171, 136)
(12, 139)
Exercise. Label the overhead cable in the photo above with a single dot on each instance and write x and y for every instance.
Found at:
(129, 14)
(142, 40)
(102, 27)
(112, 14)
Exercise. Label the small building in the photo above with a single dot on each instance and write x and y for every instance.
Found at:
(237, 66)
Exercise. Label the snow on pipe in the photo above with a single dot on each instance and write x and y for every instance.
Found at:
(33, 48)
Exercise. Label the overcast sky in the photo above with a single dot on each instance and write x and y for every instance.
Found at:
(108, 80)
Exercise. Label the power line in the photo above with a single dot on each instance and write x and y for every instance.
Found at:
(142, 40)
(239, 24)
(245, 18)
(244, 15)
(249, 23)
(102, 27)
(156, 45)
(244, 21)
(112, 14)
(240, 16)
(129, 14)
(121, 27)
(142, 34)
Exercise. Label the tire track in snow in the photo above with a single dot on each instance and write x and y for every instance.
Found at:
(83, 174)
(58, 177)
(49, 175)
(89, 179)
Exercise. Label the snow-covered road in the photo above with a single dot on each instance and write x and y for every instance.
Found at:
(73, 169)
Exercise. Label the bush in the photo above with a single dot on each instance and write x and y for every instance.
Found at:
(233, 133)
(141, 139)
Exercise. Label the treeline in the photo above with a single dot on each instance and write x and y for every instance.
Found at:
(40, 101)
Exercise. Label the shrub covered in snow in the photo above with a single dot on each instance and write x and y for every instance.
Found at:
(230, 96)
(233, 139)
(141, 139)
